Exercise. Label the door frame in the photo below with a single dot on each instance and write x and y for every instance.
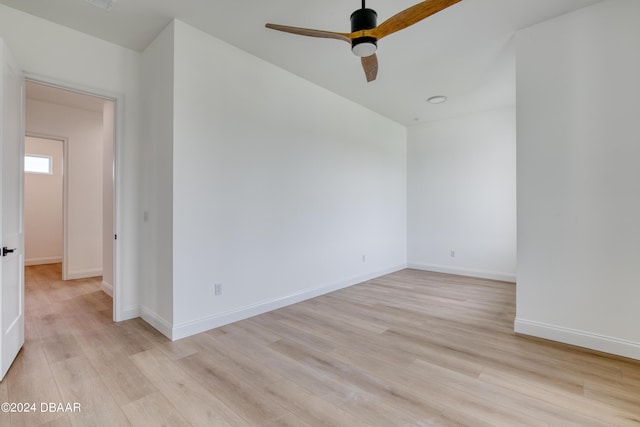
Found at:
(118, 137)
(65, 184)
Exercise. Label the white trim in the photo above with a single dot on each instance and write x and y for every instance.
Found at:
(129, 313)
(42, 261)
(193, 327)
(163, 326)
(575, 337)
(83, 274)
(107, 288)
(461, 271)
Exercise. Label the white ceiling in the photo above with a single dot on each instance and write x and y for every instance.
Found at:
(465, 52)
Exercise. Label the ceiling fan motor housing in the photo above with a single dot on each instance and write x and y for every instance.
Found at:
(363, 19)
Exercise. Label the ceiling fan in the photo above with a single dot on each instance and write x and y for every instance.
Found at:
(365, 33)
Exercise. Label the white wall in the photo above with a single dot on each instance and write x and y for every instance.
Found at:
(579, 180)
(60, 54)
(43, 205)
(279, 187)
(83, 166)
(157, 197)
(462, 195)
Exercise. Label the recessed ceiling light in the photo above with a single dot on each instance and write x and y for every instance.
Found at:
(102, 4)
(439, 99)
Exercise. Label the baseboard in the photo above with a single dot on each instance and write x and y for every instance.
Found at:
(461, 271)
(578, 338)
(42, 261)
(83, 274)
(193, 327)
(156, 321)
(128, 313)
(107, 288)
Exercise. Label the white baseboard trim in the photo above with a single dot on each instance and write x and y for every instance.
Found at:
(193, 327)
(128, 313)
(156, 321)
(107, 288)
(578, 338)
(461, 271)
(83, 274)
(41, 261)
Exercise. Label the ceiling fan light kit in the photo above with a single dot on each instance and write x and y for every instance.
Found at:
(365, 32)
(364, 46)
(364, 19)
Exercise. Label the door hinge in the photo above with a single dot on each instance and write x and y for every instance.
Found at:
(115, 237)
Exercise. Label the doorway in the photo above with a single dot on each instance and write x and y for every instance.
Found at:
(85, 123)
(43, 200)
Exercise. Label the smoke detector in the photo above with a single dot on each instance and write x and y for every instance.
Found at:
(438, 99)
(102, 4)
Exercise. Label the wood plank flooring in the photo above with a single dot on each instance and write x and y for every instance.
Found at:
(408, 349)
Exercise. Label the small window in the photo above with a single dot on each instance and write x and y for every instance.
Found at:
(38, 164)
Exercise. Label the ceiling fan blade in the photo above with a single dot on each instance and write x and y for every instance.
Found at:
(370, 66)
(310, 32)
(411, 15)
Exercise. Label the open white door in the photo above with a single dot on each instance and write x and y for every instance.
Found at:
(11, 226)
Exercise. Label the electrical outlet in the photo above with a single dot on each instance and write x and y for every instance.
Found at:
(364, 258)
(217, 289)
(453, 254)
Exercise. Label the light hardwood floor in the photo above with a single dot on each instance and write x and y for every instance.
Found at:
(408, 349)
